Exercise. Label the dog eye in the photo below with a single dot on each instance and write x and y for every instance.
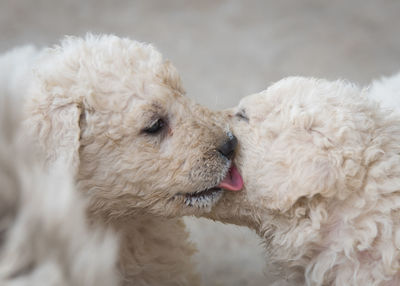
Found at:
(242, 115)
(155, 127)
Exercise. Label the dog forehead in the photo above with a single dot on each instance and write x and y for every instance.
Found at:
(287, 95)
(250, 102)
(143, 110)
(130, 94)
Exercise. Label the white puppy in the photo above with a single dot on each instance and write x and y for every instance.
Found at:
(44, 236)
(387, 91)
(321, 168)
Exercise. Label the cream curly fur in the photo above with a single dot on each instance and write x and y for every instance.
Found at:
(387, 92)
(321, 167)
(91, 102)
(44, 236)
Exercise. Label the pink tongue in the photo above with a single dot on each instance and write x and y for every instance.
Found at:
(233, 180)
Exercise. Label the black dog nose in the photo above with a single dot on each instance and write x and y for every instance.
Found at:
(228, 148)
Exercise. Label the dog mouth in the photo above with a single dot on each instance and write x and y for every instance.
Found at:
(207, 198)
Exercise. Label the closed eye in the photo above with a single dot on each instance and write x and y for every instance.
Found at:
(155, 127)
(241, 114)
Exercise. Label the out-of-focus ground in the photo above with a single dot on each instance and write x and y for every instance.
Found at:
(225, 50)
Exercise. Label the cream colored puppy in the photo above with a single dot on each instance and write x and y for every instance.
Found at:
(44, 235)
(140, 150)
(321, 169)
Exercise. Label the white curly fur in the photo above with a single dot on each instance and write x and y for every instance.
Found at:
(321, 167)
(387, 92)
(44, 236)
(90, 102)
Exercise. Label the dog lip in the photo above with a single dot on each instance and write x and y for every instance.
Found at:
(211, 194)
(213, 187)
(205, 192)
(203, 199)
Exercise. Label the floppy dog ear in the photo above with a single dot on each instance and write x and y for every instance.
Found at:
(57, 130)
(301, 170)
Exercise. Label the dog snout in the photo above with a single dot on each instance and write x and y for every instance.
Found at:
(227, 149)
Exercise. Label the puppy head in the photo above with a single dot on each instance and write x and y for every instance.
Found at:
(116, 110)
(298, 140)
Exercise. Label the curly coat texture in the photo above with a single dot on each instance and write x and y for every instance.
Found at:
(321, 167)
(44, 235)
(386, 91)
(116, 112)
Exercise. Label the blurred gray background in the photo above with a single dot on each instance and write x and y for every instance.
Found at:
(225, 50)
